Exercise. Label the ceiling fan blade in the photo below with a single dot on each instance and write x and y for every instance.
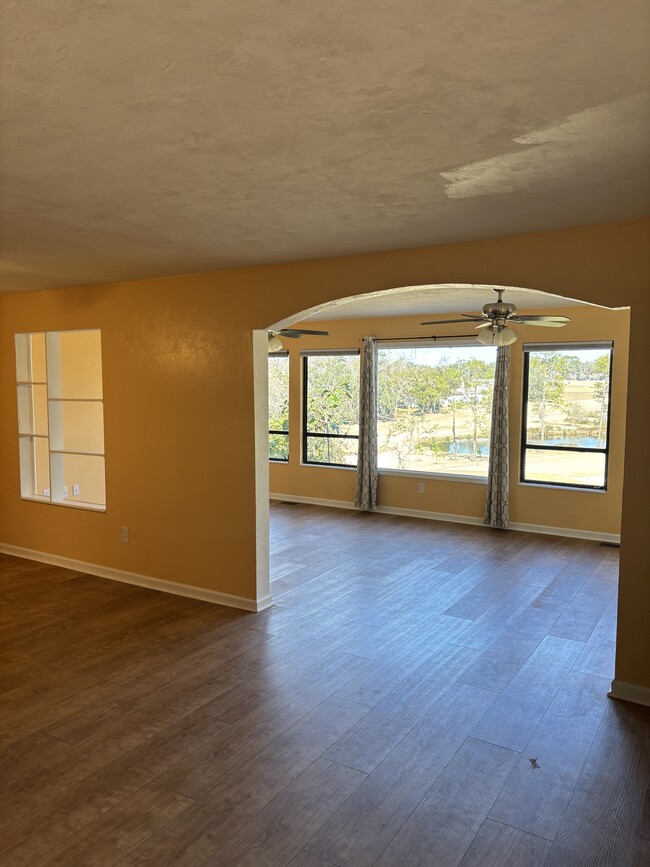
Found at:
(546, 323)
(523, 318)
(298, 332)
(449, 321)
(483, 325)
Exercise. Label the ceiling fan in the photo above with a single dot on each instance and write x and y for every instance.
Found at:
(275, 344)
(495, 319)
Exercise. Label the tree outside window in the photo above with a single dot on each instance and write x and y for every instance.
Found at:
(435, 409)
(331, 409)
(279, 407)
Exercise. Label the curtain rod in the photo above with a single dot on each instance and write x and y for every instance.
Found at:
(420, 337)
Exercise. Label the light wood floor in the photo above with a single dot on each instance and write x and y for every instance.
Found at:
(421, 694)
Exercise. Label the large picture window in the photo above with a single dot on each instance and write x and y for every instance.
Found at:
(331, 408)
(435, 408)
(279, 406)
(61, 418)
(565, 430)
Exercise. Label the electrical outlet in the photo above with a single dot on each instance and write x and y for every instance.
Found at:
(420, 487)
(75, 490)
(125, 534)
(65, 490)
(46, 492)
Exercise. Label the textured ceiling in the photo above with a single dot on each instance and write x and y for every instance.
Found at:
(168, 136)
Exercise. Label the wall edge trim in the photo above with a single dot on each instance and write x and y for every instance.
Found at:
(162, 585)
(630, 692)
(571, 533)
(313, 501)
(431, 516)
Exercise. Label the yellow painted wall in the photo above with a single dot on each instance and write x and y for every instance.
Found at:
(579, 510)
(178, 391)
(178, 434)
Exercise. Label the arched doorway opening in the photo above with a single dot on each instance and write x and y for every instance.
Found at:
(439, 301)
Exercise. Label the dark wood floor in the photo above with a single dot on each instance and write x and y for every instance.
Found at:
(421, 694)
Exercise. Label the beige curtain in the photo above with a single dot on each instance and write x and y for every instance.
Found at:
(497, 504)
(366, 495)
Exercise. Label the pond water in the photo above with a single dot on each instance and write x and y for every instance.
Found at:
(466, 446)
(577, 442)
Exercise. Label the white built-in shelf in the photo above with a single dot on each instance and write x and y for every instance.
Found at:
(69, 504)
(76, 452)
(74, 399)
(61, 417)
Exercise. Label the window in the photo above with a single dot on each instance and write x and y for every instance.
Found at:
(565, 430)
(331, 408)
(61, 418)
(279, 406)
(434, 409)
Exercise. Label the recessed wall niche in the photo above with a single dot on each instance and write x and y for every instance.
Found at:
(61, 417)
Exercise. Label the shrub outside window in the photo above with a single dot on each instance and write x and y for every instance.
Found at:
(331, 408)
(565, 426)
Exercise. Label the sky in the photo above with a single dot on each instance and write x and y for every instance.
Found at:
(435, 355)
(432, 356)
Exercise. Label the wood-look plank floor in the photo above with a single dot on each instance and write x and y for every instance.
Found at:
(421, 694)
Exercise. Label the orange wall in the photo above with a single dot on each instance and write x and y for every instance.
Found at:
(579, 510)
(177, 413)
(178, 391)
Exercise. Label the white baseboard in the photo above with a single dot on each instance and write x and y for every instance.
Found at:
(430, 516)
(385, 510)
(590, 535)
(630, 692)
(147, 581)
(312, 501)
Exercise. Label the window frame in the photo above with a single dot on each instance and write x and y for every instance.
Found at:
(304, 356)
(283, 353)
(527, 348)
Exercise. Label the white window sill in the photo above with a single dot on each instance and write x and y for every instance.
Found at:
(91, 507)
(552, 487)
(445, 477)
(328, 466)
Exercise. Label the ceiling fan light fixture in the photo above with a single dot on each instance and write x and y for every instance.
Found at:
(275, 344)
(486, 337)
(496, 336)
